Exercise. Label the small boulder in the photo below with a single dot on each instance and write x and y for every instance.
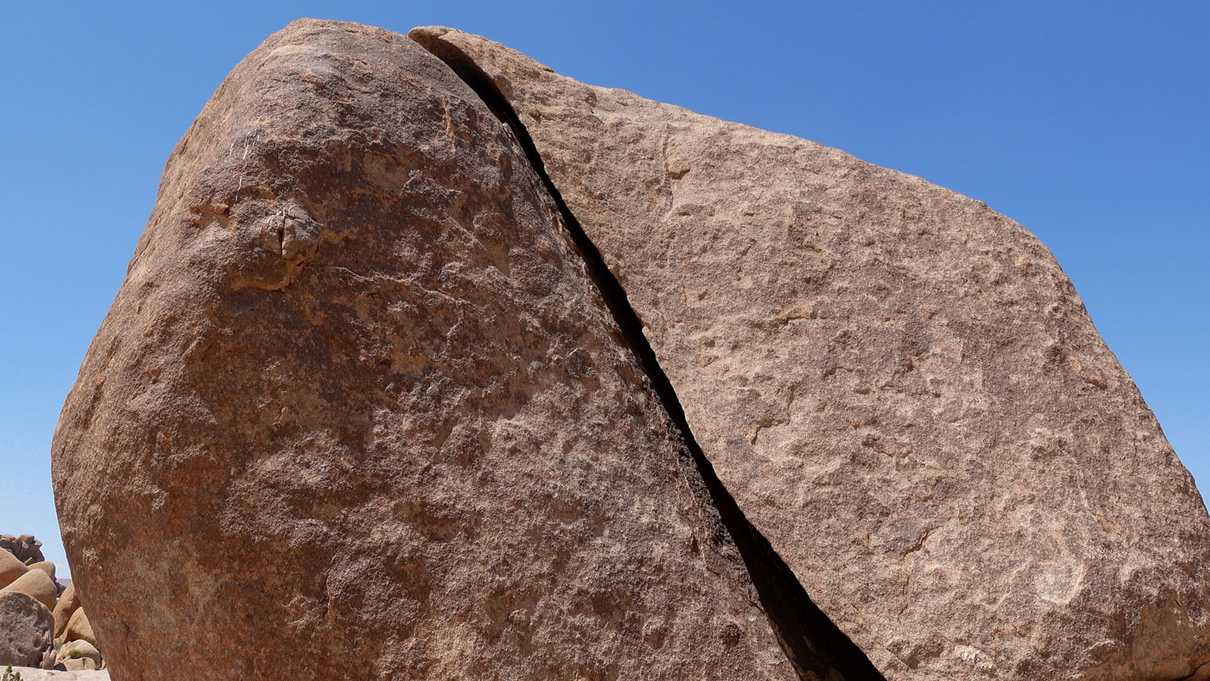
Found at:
(26, 630)
(79, 650)
(37, 585)
(79, 629)
(68, 603)
(10, 568)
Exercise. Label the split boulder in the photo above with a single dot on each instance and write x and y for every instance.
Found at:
(899, 385)
(356, 318)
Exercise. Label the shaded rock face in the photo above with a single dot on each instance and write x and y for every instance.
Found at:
(355, 319)
(26, 631)
(900, 387)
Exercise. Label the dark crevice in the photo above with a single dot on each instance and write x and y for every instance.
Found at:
(814, 645)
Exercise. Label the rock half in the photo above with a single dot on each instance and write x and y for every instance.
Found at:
(900, 386)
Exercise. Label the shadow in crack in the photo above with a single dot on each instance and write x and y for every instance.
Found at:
(815, 646)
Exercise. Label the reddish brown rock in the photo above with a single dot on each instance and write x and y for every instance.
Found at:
(899, 385)
(354, 319)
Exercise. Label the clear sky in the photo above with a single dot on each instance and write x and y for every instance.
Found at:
(1089, 122)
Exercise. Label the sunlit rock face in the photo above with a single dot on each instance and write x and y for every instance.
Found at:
(900, 386)
(358, 411)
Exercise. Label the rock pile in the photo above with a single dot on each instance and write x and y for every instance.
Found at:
(491, 330)
(41, 621)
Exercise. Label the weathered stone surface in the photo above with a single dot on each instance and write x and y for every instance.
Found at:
(27, 549)
(354, 319)
(25, 630)
(900, 387)
(10, 568)
(66, 606)
(37, 585)
(79, 649)
(45, 566)
(79, 628)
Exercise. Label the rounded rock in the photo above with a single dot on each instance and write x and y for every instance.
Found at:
(26, 630)
(37, 585)
(10, 568)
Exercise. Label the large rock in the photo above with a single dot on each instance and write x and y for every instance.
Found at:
(25, 630)
(899, 385)
(37, 585)
(10, 568)
(354, 319)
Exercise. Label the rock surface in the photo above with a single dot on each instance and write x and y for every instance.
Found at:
(79, 650)
(35, 674)
(354, 318)
(27, 549)
(25, 630)
(10, 568)
(45, 566)
(79, 628)
(66, 606)
(900, 387)
(37, 585)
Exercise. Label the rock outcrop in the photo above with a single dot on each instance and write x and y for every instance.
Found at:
(355, 318)
(27, 637)
(899, 385)
(27, 549)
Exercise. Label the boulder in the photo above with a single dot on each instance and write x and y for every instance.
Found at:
(899, 385)
(45, 566)
(10, 568)
(79, 628)
(77, 650)
(25, 630)
(356, 318)
(67, 605)
(27, 549)
(37, 585)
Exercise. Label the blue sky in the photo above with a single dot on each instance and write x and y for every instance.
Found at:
(1087, 122)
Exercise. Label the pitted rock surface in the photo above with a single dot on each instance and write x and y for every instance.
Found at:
(26, 631)
(900, 386)
(354, 319)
